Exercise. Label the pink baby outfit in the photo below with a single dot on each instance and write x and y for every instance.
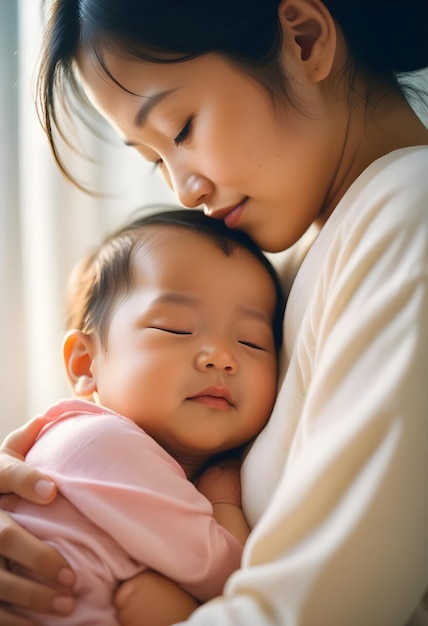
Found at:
(124, 505)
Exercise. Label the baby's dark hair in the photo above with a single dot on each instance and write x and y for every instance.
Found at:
(385, 38)
(103, 277)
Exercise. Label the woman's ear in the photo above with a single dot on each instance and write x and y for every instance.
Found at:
(78, 352)
(309, 33)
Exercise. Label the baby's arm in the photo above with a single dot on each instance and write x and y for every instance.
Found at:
(221, 485)
(161, 600)
(151, 598)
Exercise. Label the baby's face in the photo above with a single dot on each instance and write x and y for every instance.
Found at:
(190, 353)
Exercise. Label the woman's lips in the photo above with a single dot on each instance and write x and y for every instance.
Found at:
(230, 215)
(232, 219)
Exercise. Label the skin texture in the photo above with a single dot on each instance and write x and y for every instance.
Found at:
(290, 164)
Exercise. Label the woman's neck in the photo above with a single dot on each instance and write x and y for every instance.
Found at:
(374, 130)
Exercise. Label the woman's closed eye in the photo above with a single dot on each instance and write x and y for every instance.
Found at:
(184, 133)
(182, 136)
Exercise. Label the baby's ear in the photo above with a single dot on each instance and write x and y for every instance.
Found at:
(78, 352)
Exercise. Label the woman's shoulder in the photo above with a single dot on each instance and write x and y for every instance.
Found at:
(402, 173)
(389, 197)
(402, 164)
(379, 228)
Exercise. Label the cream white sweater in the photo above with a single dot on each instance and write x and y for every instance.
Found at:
(336, 486)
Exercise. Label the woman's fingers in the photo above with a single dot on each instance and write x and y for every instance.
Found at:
(22, 593)
(11, 619)
(20, 440)
(20, 478)
(15, 475)
(20, 547)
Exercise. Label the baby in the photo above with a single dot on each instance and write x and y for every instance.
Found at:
(174, 327)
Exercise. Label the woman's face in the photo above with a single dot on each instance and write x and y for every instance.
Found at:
(217, 137)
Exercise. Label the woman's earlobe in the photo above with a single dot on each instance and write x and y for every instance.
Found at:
(78, 353)
(310, 31)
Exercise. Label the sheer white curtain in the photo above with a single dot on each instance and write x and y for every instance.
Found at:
(45, 222)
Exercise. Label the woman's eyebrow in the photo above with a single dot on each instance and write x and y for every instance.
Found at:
(149, 103)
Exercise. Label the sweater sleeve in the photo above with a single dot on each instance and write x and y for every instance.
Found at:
(343, 540)
(127, 485)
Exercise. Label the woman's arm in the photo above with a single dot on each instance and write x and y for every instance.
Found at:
(18, 546)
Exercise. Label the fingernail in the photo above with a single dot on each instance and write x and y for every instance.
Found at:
(44, 488)
(65, 577)
(63, 604)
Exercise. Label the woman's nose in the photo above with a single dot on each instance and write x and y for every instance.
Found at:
(192, 190)
(216, 358)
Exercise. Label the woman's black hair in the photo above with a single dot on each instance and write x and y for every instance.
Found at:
(384, 37)
(106, 274)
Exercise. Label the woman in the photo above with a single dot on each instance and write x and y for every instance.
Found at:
(285, 119)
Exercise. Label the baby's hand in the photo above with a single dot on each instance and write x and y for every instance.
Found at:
(150, 598)
(221, 483)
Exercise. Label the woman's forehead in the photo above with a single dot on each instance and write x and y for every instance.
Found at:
(112, 73)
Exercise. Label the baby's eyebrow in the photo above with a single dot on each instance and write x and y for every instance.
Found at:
(149, 103)
(174, 297)
(255, 314)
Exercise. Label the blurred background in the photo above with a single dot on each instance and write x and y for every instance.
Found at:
(46, 223)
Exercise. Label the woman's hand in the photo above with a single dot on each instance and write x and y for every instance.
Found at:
(18, 477)
(150, 599)
(19, 546)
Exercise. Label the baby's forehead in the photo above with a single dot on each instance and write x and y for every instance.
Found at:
(179, 258)
(156, 238)
(171, 253)
(167, 243)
